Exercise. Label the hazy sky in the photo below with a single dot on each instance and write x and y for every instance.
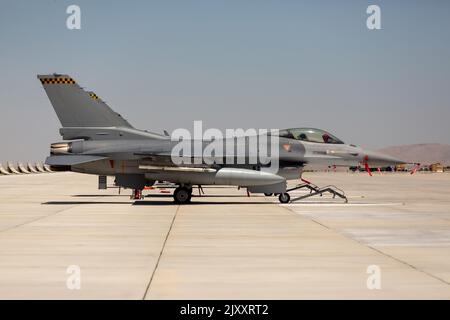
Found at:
(261, 64)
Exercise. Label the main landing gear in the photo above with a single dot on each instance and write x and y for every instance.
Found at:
(182, 195)
(136, 195)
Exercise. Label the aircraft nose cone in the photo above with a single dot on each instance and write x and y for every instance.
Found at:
(378, 159)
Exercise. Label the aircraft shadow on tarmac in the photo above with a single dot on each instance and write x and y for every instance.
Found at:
(99, 195)
(195, 201)
(202, 196)
(162, 196)
(83, 202)
(152, 203)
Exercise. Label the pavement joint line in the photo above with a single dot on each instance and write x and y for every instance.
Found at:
(370, 247)
(41, 218)
(37, 219)
(147, 289)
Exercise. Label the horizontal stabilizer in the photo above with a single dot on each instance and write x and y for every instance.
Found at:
(71, 160)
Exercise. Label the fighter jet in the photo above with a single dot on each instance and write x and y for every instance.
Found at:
(101, 142)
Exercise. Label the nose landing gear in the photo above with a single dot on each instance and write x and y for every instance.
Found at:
(313, 191)
(284, 197)
(317, 191)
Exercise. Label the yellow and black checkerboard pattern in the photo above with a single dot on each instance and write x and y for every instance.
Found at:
(57, 81)
(93, 96)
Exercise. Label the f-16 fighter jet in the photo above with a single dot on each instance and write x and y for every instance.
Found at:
(99, 141)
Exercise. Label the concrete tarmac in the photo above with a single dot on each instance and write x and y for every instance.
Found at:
(225, 245)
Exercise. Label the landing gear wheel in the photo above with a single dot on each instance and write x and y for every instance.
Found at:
(284, 197)
(182, 195)
(268, 194)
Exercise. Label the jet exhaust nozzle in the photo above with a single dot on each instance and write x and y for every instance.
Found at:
(61, 148)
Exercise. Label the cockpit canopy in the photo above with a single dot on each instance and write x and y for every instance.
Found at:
(310, 135)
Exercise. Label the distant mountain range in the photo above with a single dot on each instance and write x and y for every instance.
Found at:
(425, 153)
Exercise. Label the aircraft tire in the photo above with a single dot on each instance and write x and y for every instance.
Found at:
(284, 197)
(182, 195)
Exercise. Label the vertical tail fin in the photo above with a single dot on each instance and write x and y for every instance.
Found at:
(100, 101)
(76, 107)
